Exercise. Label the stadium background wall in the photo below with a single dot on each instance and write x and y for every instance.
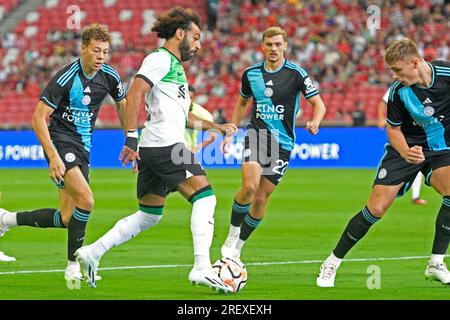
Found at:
(331, 148)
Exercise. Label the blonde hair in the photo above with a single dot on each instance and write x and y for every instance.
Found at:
(274, 31)
(95, 31)
(401, 50)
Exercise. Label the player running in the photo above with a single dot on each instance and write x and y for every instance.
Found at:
(418, 125)
(72, 100)
(275, 86)
(164, 162)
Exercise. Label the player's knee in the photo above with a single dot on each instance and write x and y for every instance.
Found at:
(249, 189)
(378, 210)
(260, 199)
(85, 200)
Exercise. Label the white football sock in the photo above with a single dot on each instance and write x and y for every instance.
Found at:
(10, 219)
(202, 228)
(124, 230)
(239, 244)
(73, 264)
(234, 230)
(436, 259)
(334, 260)
(415, 187)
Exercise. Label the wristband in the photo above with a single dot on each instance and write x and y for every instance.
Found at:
(132, 140)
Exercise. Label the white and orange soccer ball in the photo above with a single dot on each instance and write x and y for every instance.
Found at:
(232, 271)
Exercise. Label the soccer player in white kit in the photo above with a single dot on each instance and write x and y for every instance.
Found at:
(165, 164)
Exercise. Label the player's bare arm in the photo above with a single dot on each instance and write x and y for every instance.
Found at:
(134, 97)
(239, 110)
(227, 128)
(120, 109)
(318, 114)
(236, 118)
(381, 114)
(398, 142)
(39, 122)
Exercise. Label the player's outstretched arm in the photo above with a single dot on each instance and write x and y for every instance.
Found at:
(39, 123)
(318, 114)
(398, 142)
(239, 111)
(196, 123)
(237, 116)
(204, 143)
(129, 152)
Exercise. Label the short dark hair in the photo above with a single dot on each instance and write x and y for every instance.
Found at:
(167, 24)
(95, 31)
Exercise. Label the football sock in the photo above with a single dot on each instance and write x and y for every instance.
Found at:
(248, 226)
(415, 187)
(235, 231)
(202, 225)
(41, 218)
(127, 228)
(334, 260)
(238, 213)
(356, 230)
(436, 259)
(10, 219)
(77, 230)
(73, 264)
(442, 233)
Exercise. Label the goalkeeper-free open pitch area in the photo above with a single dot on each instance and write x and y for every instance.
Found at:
(305, 218)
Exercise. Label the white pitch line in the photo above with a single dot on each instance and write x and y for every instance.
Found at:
(248, 264)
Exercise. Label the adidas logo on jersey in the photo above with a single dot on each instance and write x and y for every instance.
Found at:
(87, 90)
(427, 100)
(188, 174)
(269, 83)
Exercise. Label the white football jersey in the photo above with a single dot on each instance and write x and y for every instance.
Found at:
(167, 103)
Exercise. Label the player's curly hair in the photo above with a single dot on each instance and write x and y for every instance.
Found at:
(167, 24)
(95, 31)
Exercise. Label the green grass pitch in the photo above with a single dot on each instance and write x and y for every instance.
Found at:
(305, 218)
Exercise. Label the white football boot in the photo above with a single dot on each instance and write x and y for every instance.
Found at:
(326, 275)
(228, 249)
(209, 279)
(438, 273)
(89, 265)
(5, 258)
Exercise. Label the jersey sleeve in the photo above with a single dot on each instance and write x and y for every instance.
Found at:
(53, 93)
(442, 63)
(442, 70)
(154, 67)
(395, 108)
(306, 85)
(246, 90)
(116, 90)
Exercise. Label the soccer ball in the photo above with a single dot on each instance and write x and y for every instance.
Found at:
(232, 272)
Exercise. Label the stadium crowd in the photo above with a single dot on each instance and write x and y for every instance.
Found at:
(329, 38)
